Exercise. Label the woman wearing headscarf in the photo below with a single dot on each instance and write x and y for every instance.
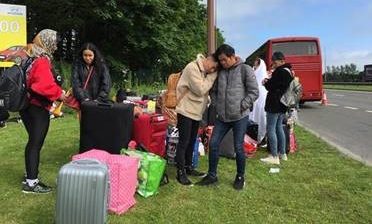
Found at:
(43, 91)
(258, 113)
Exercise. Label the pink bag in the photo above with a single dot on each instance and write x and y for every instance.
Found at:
(123, 182)
(97, 154)
(292, 143)
(123, 178)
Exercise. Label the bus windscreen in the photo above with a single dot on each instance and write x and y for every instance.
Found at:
(296, 48)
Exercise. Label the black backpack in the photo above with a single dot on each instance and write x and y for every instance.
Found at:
(13, 90)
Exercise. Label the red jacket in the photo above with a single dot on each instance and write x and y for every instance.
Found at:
(40, 80)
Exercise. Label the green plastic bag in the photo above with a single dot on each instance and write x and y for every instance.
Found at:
(150, 172)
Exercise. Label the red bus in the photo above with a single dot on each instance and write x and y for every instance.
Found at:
(304, 54)
(367, 74)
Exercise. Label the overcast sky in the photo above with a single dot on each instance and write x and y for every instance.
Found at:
(343, 26)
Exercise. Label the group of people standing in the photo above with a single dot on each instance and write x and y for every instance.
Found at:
(44, 90)
(239, 93)
(220, 79)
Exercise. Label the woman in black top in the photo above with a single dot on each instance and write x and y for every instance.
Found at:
(90, 63)
(275, 110)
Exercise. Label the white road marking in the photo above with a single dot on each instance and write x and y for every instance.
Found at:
(339, 95)
(369, 111)
(352, 108)
(333, 105)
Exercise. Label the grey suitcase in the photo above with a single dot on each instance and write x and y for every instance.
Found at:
(82, 193)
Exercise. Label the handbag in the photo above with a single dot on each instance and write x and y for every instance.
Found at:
(70, 100)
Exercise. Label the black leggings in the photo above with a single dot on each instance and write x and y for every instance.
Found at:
(36, 121)
(188, 130)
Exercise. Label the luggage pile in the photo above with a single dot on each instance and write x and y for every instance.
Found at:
(101, 179)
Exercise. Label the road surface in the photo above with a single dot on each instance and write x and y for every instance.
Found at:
(345, 123)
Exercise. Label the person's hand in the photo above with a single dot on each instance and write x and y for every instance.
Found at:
(264, 81)
(63, 96)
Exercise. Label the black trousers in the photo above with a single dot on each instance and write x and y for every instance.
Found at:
(36, 121)
(188, 131)
(4, 115)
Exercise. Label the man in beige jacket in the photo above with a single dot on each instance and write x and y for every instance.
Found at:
(192, 92)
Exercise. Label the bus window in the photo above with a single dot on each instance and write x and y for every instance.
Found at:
(260, 53)
(296, 48)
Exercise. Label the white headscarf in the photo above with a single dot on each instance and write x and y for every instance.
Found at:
(261, 72)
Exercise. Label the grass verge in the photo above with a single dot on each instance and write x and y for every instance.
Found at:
(316, 185)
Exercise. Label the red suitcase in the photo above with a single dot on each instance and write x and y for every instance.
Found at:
(150, 131)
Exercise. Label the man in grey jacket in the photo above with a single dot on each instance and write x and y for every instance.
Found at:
(233, 94)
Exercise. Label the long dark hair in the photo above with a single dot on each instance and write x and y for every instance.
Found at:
(98, 61)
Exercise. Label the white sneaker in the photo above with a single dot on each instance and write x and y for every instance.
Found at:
(271, 160)
(283, 157)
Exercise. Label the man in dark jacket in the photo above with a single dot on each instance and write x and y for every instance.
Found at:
(233, 94)
(275, 110)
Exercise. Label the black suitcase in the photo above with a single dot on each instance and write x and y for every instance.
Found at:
(106, 126)
(252, 130)
(227, 146)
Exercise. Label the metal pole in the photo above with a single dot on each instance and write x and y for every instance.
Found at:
(211, 27)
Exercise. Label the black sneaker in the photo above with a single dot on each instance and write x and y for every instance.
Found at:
(207, 180)
(39, 188)
(239, 183)
(182, 177)
(195, 173)
(24, 180)
(2, 124)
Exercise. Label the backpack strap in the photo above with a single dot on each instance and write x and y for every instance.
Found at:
(243, 74)
(90, 71)
(289, 70)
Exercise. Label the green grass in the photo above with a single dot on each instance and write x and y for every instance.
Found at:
(316, 185)
(367, 88)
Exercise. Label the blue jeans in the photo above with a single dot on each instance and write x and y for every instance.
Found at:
(219, 131)
(275, 133)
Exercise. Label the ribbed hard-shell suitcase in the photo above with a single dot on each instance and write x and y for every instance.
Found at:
(105, 126)
(150, 130)
(82, 193)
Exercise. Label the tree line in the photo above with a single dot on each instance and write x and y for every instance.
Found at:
(342, 73)
(142, 41)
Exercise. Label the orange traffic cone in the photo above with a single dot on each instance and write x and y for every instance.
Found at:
(324, 101)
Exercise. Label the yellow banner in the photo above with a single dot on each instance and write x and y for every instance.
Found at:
(13, 31)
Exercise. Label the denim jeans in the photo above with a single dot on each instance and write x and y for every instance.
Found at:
(275, 133)
(219, 131)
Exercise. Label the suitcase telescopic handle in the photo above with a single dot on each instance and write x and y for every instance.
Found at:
(86, 162)
(102, 104)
